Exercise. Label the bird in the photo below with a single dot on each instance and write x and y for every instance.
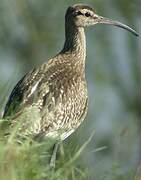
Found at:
(57, 89)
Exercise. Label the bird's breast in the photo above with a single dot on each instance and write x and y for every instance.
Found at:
(71, 101)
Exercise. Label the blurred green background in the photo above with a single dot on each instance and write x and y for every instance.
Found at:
(31, 31)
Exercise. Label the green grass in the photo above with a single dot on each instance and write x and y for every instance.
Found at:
(29, 160)
(26, 159)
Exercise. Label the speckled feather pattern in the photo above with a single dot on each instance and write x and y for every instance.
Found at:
(56, 90)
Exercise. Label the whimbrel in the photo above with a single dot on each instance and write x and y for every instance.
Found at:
(57, 90)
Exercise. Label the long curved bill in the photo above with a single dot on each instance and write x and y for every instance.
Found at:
(102, 20)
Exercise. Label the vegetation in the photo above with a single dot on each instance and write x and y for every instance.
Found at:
(25, 159)
(31, 31)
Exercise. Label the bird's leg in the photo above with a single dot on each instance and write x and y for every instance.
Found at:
(53, 156)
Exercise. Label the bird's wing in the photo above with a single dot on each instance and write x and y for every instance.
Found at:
(33, 88)
(22, 92)
(34, 91)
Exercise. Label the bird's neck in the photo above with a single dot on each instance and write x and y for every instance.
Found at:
(75, 42)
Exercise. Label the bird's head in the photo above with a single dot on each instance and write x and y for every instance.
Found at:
(82, 15)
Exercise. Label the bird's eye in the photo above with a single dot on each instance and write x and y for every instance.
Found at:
(78, 13)
(87, 14)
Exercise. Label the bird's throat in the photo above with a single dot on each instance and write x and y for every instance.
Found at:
(75, 41)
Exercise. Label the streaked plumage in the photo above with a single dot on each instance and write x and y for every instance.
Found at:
(57, 90)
